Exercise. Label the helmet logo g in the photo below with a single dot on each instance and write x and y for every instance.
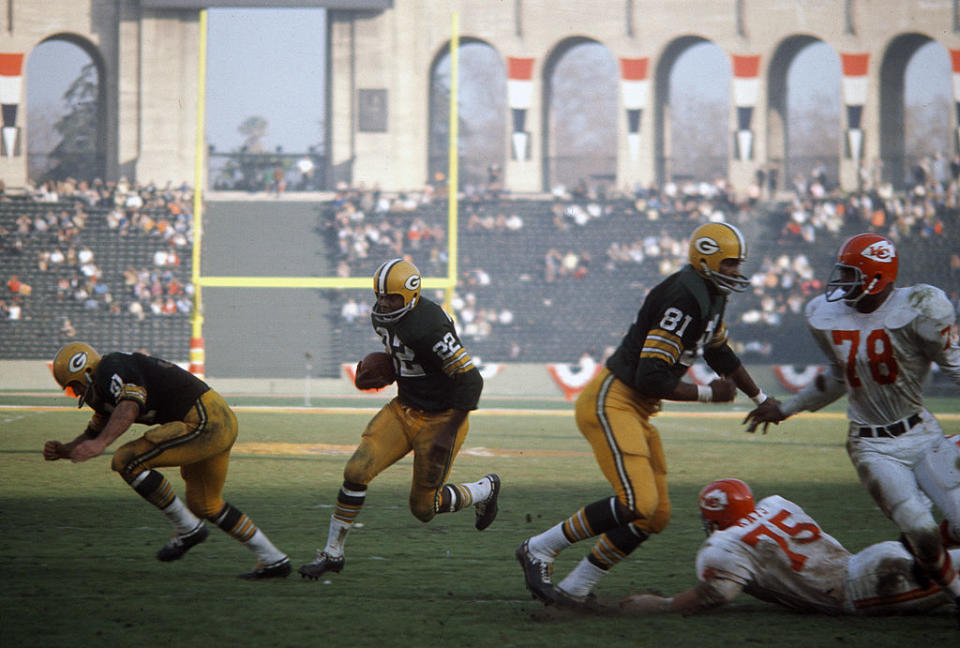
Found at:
(412, 282)
(881, 252)
(715, 500)
(706, 245)
(77, 362)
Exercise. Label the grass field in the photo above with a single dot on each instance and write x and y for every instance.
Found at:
(77, 545)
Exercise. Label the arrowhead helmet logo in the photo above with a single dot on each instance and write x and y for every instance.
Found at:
(715, 500)
(881, 252)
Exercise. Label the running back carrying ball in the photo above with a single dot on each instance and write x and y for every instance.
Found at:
(375, 371)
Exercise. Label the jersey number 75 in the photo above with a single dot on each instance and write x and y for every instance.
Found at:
(780, 531)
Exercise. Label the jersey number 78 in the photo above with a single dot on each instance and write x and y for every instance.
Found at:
(883, 364)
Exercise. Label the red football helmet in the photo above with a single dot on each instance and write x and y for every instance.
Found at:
(866, 264)
(723, 503)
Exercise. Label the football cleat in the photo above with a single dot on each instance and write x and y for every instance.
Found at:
(278, 569)
(537, 574)
(487, 509)
(322, 564)
(179, 545)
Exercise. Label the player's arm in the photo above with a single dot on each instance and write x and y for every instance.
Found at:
(935, 327)
(675, 329)
(828, 386)
(122, 417)
(53, 450)
(709, 594)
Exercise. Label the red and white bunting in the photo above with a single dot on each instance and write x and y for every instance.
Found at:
(520, 98)
(855, 68)
(746, 90)
(794, 380)
(11, 89)
(573, 378)
(634, 87)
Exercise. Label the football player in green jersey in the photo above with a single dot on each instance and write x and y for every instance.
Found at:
(192, 427)
(681, 317)
(437, 386)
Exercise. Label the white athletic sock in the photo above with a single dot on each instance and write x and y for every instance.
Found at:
(336, 536)
(581, 581)
(479, 490)
(180, 516)
(260, 544)
(548, 544)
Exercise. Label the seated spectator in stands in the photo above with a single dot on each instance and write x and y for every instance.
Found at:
(350, 311)
(14, 310)
(136, 309)
(67, 329)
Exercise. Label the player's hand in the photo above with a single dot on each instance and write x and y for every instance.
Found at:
(87, 449)
(724, 391)
(53, 450)
(765, 413)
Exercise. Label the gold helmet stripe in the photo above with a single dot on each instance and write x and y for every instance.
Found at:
(384, 273)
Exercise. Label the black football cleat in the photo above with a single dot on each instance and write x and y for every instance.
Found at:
(487, 509)
(278, 569)
(322, 564)
(177, 547)
(537, 574)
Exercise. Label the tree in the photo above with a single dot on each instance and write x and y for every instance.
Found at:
(76, 155)
(253, 129)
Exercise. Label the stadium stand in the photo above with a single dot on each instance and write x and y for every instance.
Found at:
(541, 279)
(111, 268)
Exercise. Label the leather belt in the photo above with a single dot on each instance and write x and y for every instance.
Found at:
(892, 430)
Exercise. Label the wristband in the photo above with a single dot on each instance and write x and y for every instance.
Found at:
(759, 398)
(666, 605)
(705, 393)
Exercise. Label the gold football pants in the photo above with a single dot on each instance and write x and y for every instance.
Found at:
(389, 436)
(200, 444)
(615, 419)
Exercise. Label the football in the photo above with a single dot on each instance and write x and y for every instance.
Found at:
(375, 371)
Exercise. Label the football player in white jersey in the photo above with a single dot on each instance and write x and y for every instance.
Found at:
(880, 341)
(775, 552)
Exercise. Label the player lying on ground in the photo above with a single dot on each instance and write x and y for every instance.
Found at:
(775, 552)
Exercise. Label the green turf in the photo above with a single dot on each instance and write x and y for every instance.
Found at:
(76, 545)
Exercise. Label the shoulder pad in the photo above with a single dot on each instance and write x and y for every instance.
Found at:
(822, 314)
(921, 300)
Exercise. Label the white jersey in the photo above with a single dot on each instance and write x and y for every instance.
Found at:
(779, 554)
(881, 359)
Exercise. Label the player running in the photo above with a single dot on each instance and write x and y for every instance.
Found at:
(775, 552)
(880, 341)
(437, 387)
(680, 318)
(193, 428)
